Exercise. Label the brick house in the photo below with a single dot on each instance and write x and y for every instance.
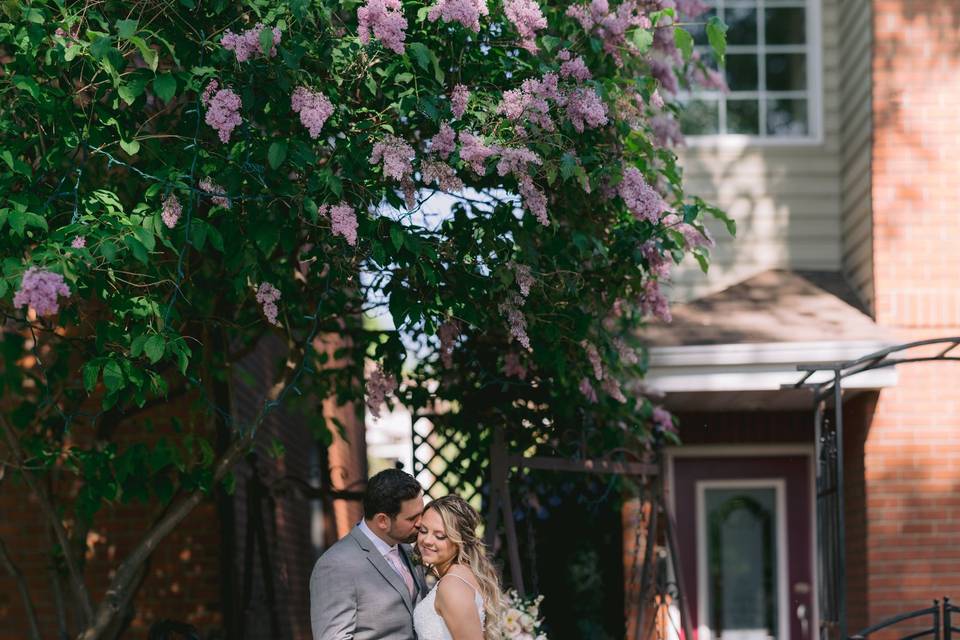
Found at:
(835, 150)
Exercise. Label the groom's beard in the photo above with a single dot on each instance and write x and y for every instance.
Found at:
(410, 539)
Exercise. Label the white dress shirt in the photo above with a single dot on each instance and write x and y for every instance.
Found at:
(377, 541)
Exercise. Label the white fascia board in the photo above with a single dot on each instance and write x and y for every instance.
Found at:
(757, 367)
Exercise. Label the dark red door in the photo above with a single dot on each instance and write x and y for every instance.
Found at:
(744, 528)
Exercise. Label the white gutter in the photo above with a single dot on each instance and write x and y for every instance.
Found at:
(757, 366)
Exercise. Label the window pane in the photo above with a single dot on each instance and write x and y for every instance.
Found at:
(743, 116)
(742, 563)
(786, 72)
(743, 25)
(786, 25)
(742, 72)
(787, 117)
(700, 118)
(698, 27)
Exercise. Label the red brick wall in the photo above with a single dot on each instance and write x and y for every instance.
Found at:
(912, 446)
(183, 578)
(197, 574)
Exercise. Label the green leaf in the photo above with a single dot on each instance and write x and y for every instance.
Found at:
(396, 237)
(371, 84)
(207, 454)
(20, 220)
(136, 346)
(403, 78)
(421, 53)
(128, 93)
(277, 152)
(183, 355)
(266, 41)
(198, 233)
(702, 259)
(642, 39)
(101, 46)
(28, 84)
(149, 54)
(16, 164)
(108, 250)
(550, 42)
(299, 8)
(113, 376)
(34, 15)
(127, 28)
(568, 165)
(425, 57)
(131, 147)
(335, 185)
(684, 41)
(230, 483)
(216, 238)
(91, 371)
(137, 249)
(146, 237)
(310, 208)
(165, 86)
(154, 348)
(717, 37)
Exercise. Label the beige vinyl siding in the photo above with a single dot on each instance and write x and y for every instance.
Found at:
(856, 114)
(785, 198)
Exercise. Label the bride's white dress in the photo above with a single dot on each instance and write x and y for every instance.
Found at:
(428, 623)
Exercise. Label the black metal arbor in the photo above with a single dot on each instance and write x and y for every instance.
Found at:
(828, 435)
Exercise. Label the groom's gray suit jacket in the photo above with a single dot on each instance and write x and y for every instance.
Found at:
(356, 595)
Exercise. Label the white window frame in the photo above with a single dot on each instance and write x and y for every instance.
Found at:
(704, 632)
(814, 50)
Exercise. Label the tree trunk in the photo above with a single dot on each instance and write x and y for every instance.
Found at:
(15, 573)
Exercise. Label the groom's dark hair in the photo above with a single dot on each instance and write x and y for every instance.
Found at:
(387, 490)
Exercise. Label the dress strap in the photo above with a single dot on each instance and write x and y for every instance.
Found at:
(463, 580)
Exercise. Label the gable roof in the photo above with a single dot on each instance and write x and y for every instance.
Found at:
(772, 306)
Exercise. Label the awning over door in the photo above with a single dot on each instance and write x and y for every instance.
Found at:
(735, 348)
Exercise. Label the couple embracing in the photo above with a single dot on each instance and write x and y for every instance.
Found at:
(368, 585)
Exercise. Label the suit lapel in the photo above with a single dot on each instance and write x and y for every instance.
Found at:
(415, 571)
(380, 563)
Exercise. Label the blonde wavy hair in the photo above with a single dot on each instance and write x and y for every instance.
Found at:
(460, 522)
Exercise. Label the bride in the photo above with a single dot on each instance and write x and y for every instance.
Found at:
(465, 604)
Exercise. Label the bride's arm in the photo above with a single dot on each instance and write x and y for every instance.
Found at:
(456, 605)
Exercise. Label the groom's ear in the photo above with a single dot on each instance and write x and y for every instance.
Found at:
(382, 521)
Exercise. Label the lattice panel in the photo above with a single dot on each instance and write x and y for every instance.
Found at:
(447, 461)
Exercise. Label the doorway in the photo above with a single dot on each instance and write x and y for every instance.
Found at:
(745, 534)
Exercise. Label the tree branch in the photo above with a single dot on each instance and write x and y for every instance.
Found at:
(127, 573)
(24, 590)
(76, 577)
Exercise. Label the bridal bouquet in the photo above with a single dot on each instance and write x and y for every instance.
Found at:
(521, 619)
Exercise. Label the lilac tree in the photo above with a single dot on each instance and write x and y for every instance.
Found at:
(180, 180)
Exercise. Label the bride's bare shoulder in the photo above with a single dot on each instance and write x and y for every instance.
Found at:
(458, 586)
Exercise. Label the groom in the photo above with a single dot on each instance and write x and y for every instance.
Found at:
(365, 586)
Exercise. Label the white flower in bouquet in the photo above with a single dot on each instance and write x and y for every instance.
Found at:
(511, 623)
(527, 621)
(521, 618)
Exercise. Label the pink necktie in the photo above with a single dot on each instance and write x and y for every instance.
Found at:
(394, 557)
